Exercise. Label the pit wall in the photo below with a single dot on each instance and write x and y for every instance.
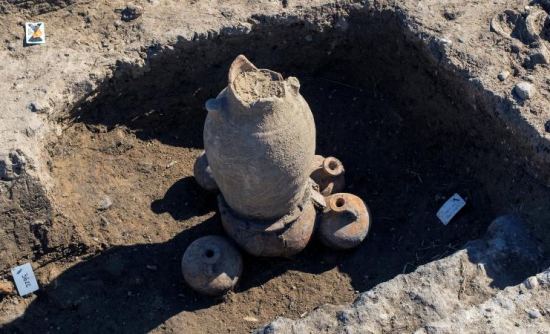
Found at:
(445, 104)
(347, 37)
(36, 6)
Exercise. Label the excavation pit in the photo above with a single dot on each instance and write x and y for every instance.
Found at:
(401, 124)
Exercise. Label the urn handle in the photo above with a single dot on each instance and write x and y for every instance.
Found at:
(213, 105)
(294, 85)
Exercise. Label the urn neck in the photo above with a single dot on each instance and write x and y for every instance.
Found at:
(256, 86)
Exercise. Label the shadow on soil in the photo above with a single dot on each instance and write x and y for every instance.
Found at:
(180, 195)
(129, 289)
(134, 289)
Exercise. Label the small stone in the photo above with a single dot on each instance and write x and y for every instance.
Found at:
(104, 221)
(450, 15)
(32, 107)
(503, 75)
(370, 294)
(171, 163)
(30, 132)
(539, 55)
(227, 14)
(516, 46)
(454, 14)
(105, 203)
(151, 267)
(544, 277)
(343, 317)
(37, 107)
(250, 319)
(131, 12)
(6, 288)
(534, 313)
(445, 41)
(531, 283)
(524, 90)
(12, 165)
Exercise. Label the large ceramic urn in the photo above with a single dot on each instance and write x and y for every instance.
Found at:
(259, 139)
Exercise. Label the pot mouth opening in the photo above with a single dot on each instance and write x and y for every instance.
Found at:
(252, 86)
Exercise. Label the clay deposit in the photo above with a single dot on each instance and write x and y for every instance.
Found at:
(252, 86)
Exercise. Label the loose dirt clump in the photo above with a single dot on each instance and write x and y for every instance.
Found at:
(254, 85)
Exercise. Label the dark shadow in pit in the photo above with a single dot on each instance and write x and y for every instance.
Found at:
(164, 99)
(130, 289)
(180, 196)
(134, 289)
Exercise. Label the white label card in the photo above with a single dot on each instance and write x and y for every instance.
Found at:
(24, 278)
(35, 33)
(450, 208)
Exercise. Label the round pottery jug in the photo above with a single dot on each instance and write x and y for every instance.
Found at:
(259, 139)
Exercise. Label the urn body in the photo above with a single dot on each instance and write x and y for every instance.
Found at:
(260, 147)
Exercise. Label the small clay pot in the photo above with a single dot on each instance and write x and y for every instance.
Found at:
(212, 265)
(328, 173)
(203, 173)
(345, 221)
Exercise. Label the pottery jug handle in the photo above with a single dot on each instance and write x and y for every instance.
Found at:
(294, 84)
(240, 65)
(213, 105)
